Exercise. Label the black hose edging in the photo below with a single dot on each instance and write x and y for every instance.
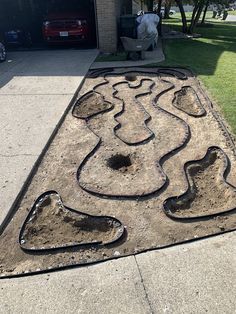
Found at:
(203, 111)
(159, 162)
(169, 212)
(94, 114)
(146, 121)
(76, 264)
(61, 267)
(56, 248)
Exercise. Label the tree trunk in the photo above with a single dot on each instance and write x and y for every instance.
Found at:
(167, 10)
(194, 11)
(205, 11)
(196, 18)
(183, 16)
(200, 9)
(159, 7)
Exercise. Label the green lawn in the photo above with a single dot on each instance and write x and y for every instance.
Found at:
(213, 59)
(232, 12)
(119, 56)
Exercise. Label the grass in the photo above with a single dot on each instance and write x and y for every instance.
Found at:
(213, 59)
(232, 12)
(119, 56)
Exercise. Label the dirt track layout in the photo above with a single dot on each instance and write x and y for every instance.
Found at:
(142, 161)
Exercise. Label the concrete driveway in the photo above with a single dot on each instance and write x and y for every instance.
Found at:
(36, 89)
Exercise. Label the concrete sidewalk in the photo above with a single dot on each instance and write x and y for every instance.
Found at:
(36, 89)
(198, 277)
(155, 56)
(231, 18)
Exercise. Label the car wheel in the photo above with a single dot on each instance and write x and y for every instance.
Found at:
(2, 53)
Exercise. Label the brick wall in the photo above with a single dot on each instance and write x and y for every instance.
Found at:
(107, 12)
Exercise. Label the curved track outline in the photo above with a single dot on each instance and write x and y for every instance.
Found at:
(56, 248)
(161, 160)
(77, 263)
(226, 161)
(203, 111)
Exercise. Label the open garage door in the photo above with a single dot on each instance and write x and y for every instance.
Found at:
(50, 21)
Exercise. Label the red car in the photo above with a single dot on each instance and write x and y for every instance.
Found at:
(67, 27)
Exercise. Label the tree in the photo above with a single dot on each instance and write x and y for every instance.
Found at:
(205, 11)
(183, 16)
(200, 6)
(167, 9)
(197, 11)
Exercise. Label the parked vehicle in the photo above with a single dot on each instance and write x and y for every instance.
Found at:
(3, 54)
(171, 12)
(67, 27)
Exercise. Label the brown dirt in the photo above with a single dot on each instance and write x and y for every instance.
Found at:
(134, 113)
(66, 227)
(89, 105)
(186, 99)
(134, 188)
(208, 192)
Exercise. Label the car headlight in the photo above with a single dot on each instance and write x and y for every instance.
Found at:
(81, 22)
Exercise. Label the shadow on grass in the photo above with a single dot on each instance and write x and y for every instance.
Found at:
(201, 54)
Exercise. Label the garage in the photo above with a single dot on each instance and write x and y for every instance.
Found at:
(30, 15)
(41, 22)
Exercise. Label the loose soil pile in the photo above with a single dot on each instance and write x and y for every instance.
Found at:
(141, 162)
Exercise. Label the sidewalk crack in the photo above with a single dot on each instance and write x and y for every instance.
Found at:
(144, 288)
